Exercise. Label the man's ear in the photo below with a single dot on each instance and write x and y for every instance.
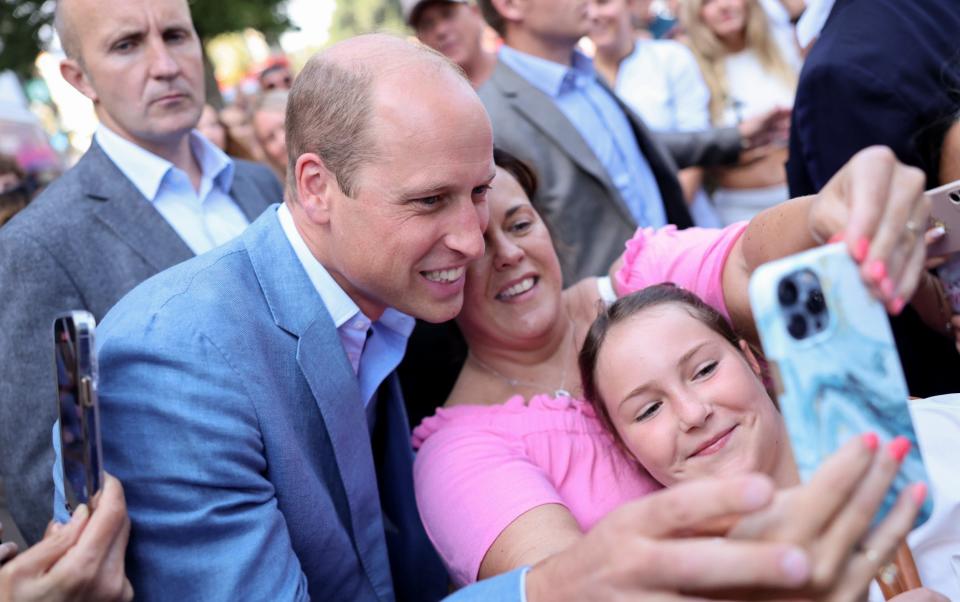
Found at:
(71, 71)
(510, 10)
(317, 187)
(751, 358)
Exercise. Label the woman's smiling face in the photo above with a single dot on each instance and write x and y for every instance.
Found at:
(685, 401)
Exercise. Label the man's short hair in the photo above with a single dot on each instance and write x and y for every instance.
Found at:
(66, 31)
(493, 17)
(330, 111)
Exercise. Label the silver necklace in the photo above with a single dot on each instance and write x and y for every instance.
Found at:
(516, 382)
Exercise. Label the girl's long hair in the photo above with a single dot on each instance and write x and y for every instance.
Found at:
(710, 51)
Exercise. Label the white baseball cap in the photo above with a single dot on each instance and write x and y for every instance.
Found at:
(410, 8)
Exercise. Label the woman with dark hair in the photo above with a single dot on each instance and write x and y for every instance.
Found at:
(516, 466)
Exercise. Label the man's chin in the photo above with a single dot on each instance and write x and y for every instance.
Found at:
(437, 312)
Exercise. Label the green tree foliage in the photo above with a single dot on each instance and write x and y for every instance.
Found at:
(364, 16)
(26, 25)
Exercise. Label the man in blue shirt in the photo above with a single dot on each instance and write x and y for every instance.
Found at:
(604, 174)
(149, 193)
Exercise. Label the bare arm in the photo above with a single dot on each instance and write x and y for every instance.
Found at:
(532, 537)
(690, 180)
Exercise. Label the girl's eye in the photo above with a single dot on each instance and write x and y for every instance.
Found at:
(648, 412)
(706, 370)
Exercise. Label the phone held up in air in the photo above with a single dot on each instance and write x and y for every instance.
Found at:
(945, 212)
(833, 361)
(75, 362)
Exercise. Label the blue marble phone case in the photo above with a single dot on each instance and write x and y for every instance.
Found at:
(843, 380)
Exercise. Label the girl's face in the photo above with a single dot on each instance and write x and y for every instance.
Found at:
(685, 401)
(727, 19)
(512, 293)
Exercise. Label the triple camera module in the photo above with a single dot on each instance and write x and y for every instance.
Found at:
(801, 300)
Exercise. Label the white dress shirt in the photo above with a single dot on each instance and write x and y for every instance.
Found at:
(204, 219)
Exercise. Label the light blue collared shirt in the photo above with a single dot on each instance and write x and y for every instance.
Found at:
(374, 349)
(601, 122)
(204, 219)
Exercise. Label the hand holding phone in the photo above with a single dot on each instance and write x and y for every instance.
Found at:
(833, 360)
(75, 363)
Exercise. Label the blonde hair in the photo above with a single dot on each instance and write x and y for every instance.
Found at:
(710, 51)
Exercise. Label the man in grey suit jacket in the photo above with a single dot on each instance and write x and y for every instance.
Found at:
(100, 230)
(590, 207)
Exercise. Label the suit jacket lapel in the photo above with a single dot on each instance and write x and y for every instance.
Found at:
(131, 217)
(541, 111)
(299, 310)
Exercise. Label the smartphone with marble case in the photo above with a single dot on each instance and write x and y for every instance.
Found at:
(833, 361)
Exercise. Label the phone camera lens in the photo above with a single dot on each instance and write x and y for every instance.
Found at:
(815, 303)
(787, 292)
(955, 197)
(797, 326)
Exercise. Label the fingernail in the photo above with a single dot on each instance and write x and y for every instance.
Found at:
(877, 270)
(937, 232)
(886, 287)
(898, 448)
(860, 249)
(795, 566)
(919, 493)
(870, 441)
(836, 237)
(80, 513)
(896, 306)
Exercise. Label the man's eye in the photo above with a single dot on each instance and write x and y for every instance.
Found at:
(429, 201)
(481, 190)
(648, 412)
(123, 46)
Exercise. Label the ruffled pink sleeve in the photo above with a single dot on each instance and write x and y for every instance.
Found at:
(692, 259)
(471, 484)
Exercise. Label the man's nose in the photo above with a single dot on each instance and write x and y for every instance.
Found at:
(163, 65)
(466, 235)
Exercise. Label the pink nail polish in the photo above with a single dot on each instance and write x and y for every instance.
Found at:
(919, 493)
(898, 448)
(877, 270)
(836, 237)
(860, 249)
(896, 306)
(886, 287)
(870, 441)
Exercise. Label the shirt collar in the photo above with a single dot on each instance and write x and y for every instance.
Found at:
(812, 21)
(549, 77)
(341, 307)
(147, 170)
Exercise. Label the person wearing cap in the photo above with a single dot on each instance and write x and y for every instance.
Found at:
(455, 29)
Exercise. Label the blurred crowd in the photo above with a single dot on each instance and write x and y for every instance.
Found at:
(362, 333)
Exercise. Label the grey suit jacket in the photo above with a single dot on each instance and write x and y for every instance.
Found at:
(588, 217)
(86, 241)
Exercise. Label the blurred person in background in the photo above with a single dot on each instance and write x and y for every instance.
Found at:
(241, 139)
(275, 77)
(269, 115)
(747, 74)
(148, 194)
(216, 131)
(454, 28)
(15, 188)
(884, 72)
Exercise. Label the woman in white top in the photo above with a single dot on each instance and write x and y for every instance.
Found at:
(747, 73)
(660, 80)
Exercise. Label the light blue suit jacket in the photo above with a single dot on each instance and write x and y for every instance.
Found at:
(231, 414)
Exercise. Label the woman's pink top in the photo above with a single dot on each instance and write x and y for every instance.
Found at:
(480, 467)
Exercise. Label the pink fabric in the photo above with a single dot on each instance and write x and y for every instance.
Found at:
(480, 467)
(692, 259)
